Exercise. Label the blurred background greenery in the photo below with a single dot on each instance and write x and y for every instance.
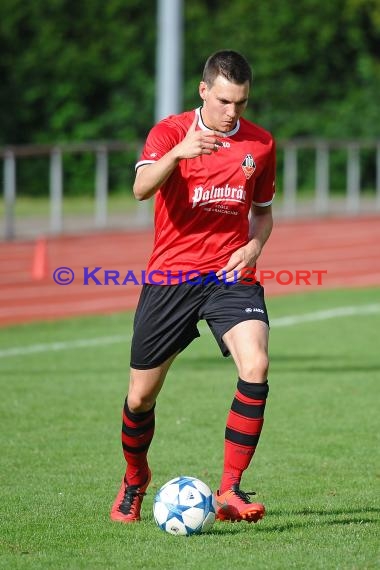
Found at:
(83, 71)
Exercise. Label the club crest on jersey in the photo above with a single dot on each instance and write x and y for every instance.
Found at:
(248, 165)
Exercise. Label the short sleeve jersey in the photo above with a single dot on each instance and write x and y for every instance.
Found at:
(201, 211)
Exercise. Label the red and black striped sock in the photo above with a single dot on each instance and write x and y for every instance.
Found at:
(244, 423)
(136, 436)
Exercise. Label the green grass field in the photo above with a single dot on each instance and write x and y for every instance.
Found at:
(72, 205)
(316, 468)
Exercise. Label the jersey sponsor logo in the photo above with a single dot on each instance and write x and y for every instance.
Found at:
(248, 165)
(203, 196)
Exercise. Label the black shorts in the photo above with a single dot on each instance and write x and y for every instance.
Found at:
(167, 316)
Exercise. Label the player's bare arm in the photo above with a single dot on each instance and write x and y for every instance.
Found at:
(150, 177)
(247, 256)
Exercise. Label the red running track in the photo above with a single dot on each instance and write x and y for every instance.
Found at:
(347, 249)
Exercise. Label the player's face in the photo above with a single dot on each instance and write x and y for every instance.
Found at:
(223, 103)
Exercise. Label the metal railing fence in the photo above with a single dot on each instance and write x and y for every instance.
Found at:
(320, 204)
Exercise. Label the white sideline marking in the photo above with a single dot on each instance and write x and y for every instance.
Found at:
(64, 345)
(277, 322)
(327, 314)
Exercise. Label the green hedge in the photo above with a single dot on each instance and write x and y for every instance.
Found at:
(77, 71)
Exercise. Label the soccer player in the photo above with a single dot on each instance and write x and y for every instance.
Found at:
(210, 170)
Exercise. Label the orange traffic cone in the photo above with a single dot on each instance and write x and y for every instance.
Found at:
(40, 259)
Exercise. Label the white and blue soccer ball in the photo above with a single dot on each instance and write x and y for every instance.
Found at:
(184, 506)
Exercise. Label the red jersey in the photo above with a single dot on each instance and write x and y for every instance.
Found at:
(201, 211)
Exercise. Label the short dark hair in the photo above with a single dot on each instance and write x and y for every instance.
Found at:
(230, 64)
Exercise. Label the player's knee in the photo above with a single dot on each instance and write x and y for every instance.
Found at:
(139, 403)
(256, 369)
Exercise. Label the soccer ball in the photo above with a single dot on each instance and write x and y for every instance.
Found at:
(184, 506)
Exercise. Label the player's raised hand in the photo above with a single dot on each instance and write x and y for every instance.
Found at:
(198, 142)
(194, 124)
